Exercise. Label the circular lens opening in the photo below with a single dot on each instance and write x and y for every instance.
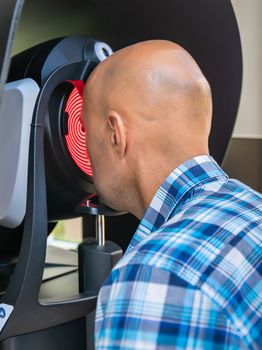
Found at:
(76, 136)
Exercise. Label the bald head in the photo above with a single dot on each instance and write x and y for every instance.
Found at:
(158, 98)
(150, 75)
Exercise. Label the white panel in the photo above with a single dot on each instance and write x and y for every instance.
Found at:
(249, 120)
(16, 112)
(5, 312)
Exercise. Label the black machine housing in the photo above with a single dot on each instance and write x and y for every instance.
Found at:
(66, 183)
(69, 185)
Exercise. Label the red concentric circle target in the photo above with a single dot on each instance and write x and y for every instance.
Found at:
(76, 137)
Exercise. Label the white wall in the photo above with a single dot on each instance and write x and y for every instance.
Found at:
(249, 120)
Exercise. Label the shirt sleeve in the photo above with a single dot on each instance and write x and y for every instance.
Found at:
(144, 307)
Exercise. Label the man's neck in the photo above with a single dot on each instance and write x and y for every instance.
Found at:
(150, 179)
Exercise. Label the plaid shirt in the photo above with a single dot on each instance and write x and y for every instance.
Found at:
(191, 277)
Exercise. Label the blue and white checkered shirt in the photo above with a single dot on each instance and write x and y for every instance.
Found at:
(191, 277)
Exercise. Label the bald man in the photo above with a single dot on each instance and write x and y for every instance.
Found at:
(190, 278)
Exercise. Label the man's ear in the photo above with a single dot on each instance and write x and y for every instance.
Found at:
(118, 135)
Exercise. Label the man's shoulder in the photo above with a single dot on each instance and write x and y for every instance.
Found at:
(198, 256)
(229, 196)
(214, 249)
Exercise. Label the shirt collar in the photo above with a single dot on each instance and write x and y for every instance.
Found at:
(184, 178)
